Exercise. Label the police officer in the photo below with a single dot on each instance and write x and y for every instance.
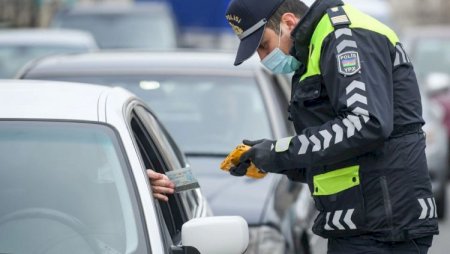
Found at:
(357, 112)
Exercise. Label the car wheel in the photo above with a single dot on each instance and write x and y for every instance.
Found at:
(441, 203)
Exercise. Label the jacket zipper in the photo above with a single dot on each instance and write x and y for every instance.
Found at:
(387, 201)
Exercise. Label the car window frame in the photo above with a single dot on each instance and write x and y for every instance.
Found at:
(192, 200)
(270, 87)
(172, 215)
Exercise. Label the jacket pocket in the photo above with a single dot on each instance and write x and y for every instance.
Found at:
(336, 181)
(309, 92)
(310, 104)
(338, 195)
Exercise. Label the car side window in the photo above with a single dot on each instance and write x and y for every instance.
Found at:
(172, 211)
(282, 93)
(174, 158)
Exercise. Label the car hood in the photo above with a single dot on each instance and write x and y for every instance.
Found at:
(230, 195)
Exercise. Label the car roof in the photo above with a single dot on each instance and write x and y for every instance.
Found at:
(116, 62)
(116, 8)
(29, 99)
(63, 37)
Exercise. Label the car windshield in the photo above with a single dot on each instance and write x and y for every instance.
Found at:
(431, 55)
(205, 114)
(13, 57)
(151, 31)
(65, 188)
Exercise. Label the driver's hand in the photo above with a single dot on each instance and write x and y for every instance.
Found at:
(161, 185)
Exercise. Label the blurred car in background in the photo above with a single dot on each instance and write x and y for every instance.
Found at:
(73, 177)
(210, 106)
(19, 46)
(379, 9)
(148, 25)
(429, 50)
(437, 152)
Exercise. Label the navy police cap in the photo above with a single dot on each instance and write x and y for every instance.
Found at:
(248, 19)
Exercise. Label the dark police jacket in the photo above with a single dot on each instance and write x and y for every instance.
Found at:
(356, 108)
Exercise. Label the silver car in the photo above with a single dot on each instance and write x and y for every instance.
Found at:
(19, 46)
(429, 50)
(115, 25)
(72, 177)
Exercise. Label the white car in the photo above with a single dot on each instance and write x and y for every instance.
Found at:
(123, 25)
(72, 177)
(19, 46)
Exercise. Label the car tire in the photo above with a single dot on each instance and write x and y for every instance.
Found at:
(441, 204)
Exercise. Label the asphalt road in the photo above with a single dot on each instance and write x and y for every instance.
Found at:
(441, 243)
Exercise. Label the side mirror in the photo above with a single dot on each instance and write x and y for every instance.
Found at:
(216, 235)
(437, 82)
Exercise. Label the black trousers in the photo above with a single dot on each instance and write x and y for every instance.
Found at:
(366, 245)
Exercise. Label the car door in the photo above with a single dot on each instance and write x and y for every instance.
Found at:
(193, 200)
(158, 152)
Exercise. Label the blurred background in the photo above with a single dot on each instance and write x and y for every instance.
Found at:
(33, 29)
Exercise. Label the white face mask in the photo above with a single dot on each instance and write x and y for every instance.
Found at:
(278, 62)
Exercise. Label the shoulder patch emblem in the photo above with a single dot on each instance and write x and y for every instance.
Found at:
(349, 63)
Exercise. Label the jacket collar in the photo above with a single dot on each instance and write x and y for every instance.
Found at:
(304, 30)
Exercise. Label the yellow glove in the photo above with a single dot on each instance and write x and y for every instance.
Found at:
(232, 160)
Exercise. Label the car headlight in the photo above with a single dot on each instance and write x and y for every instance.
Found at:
(265, 240)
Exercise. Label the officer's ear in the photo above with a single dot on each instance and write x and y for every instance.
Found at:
(290, 20)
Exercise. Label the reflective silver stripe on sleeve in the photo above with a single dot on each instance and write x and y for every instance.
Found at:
(316, 143)
(356, 121)
(356, 98)
(350, 127)
(326, 138)
(336, 218)
(424, 207)
(348, 219)
(397, 59)
(435, 210)
(339, 133)
(282, 145)
(305, 144)
(343, 31)
(346, 44)
(430, 202)
(355, 84)
(363, 113)
(327, 227)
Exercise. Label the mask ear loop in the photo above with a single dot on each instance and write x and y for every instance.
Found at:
(279, 37)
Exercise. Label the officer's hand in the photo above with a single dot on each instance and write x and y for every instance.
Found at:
(261, 154)
(240, 169)
(245, 160)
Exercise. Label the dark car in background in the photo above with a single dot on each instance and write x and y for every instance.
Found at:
(209, 106)
(19, 46)
(437, 152)
(147, 25)
(429, 50)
